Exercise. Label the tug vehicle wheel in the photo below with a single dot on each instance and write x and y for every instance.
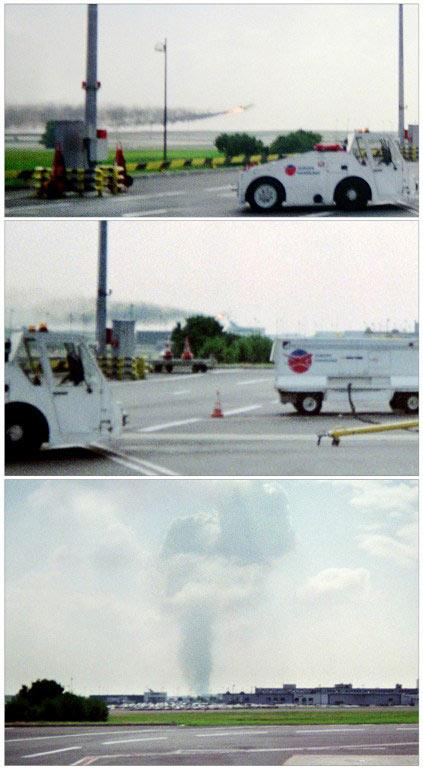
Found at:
(352, 195)
(265, 195)
(24, 433)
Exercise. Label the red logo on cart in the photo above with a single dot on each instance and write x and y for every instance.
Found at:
(299, 361)
(290, 170)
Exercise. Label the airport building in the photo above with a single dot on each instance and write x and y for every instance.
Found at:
(126, 699)
(341, 694)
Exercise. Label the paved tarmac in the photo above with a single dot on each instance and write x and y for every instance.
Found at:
(246, 745)
(201, 194)
(171, 432)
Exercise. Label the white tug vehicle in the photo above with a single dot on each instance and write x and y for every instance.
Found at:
(367, 168)
(56, 394)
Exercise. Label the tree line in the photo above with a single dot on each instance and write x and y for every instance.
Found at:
(232, 144)
(207, 337)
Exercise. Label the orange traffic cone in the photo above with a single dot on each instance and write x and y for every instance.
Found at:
(217, 412)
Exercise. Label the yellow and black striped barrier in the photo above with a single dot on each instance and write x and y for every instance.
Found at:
(80, 181)
(371, 429)
(123, 368)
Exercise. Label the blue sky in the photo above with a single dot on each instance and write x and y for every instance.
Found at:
(318, 66)
(313, 582)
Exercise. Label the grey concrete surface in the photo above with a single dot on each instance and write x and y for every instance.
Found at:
(171, 432)
(203, 194)
(246, 745)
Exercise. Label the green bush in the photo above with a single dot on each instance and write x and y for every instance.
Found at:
(298, 141)
(197, 328)
(239, 144)
(46, 700)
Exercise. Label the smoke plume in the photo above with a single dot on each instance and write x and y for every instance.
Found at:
(216, 562)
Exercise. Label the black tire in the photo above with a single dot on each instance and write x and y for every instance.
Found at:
(309, 403)
(195, 368)
(411, 402)
(352, 195)
(24, 433)
(169, 368)
(158, 368)
(395, 402)
(265, 195)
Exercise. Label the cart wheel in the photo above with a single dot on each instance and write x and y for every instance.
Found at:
(309, 404)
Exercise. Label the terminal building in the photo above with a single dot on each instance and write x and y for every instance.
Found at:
(126, 699)
(341, 694)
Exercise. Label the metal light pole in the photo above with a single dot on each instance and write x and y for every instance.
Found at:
(162, 48)
(91, 86)
(401, 107)
(101, 317)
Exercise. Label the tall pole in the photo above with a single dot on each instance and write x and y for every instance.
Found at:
(165, 104)
(91, 86)
(400, 76)
(102, 291)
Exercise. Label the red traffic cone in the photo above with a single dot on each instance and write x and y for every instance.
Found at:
(56, 185)
(187, 353)
(121, 163)
(217, 412)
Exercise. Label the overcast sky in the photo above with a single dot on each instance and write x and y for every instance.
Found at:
(113, 583)
(287, 276)
(310, 66)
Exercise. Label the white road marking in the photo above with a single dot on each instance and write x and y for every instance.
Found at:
(227, 188)
(245, 409)
(20, 209)
(408, 728)
(334, 729)
(141, 466)
(158, 427)
(152, 212)
(285, 438)
(182, 392)
(52, 752)
(87, 760)
(293, 749)
(73, 735)
(251, 381)
(232, 733)
(169, 378)
(155, 195)
(124, 741)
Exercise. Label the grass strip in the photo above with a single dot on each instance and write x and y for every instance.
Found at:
(306, 717)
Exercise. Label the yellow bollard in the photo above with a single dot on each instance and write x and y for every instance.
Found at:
(99, 180)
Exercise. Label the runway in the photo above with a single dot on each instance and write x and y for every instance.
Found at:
(273, 745)
(171, 432)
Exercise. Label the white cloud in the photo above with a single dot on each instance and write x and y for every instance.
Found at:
(400, 546)
(335, 581)
(378, 495)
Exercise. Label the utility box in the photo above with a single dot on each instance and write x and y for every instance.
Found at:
(413, 135)
(123, 338)
(70, 135)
